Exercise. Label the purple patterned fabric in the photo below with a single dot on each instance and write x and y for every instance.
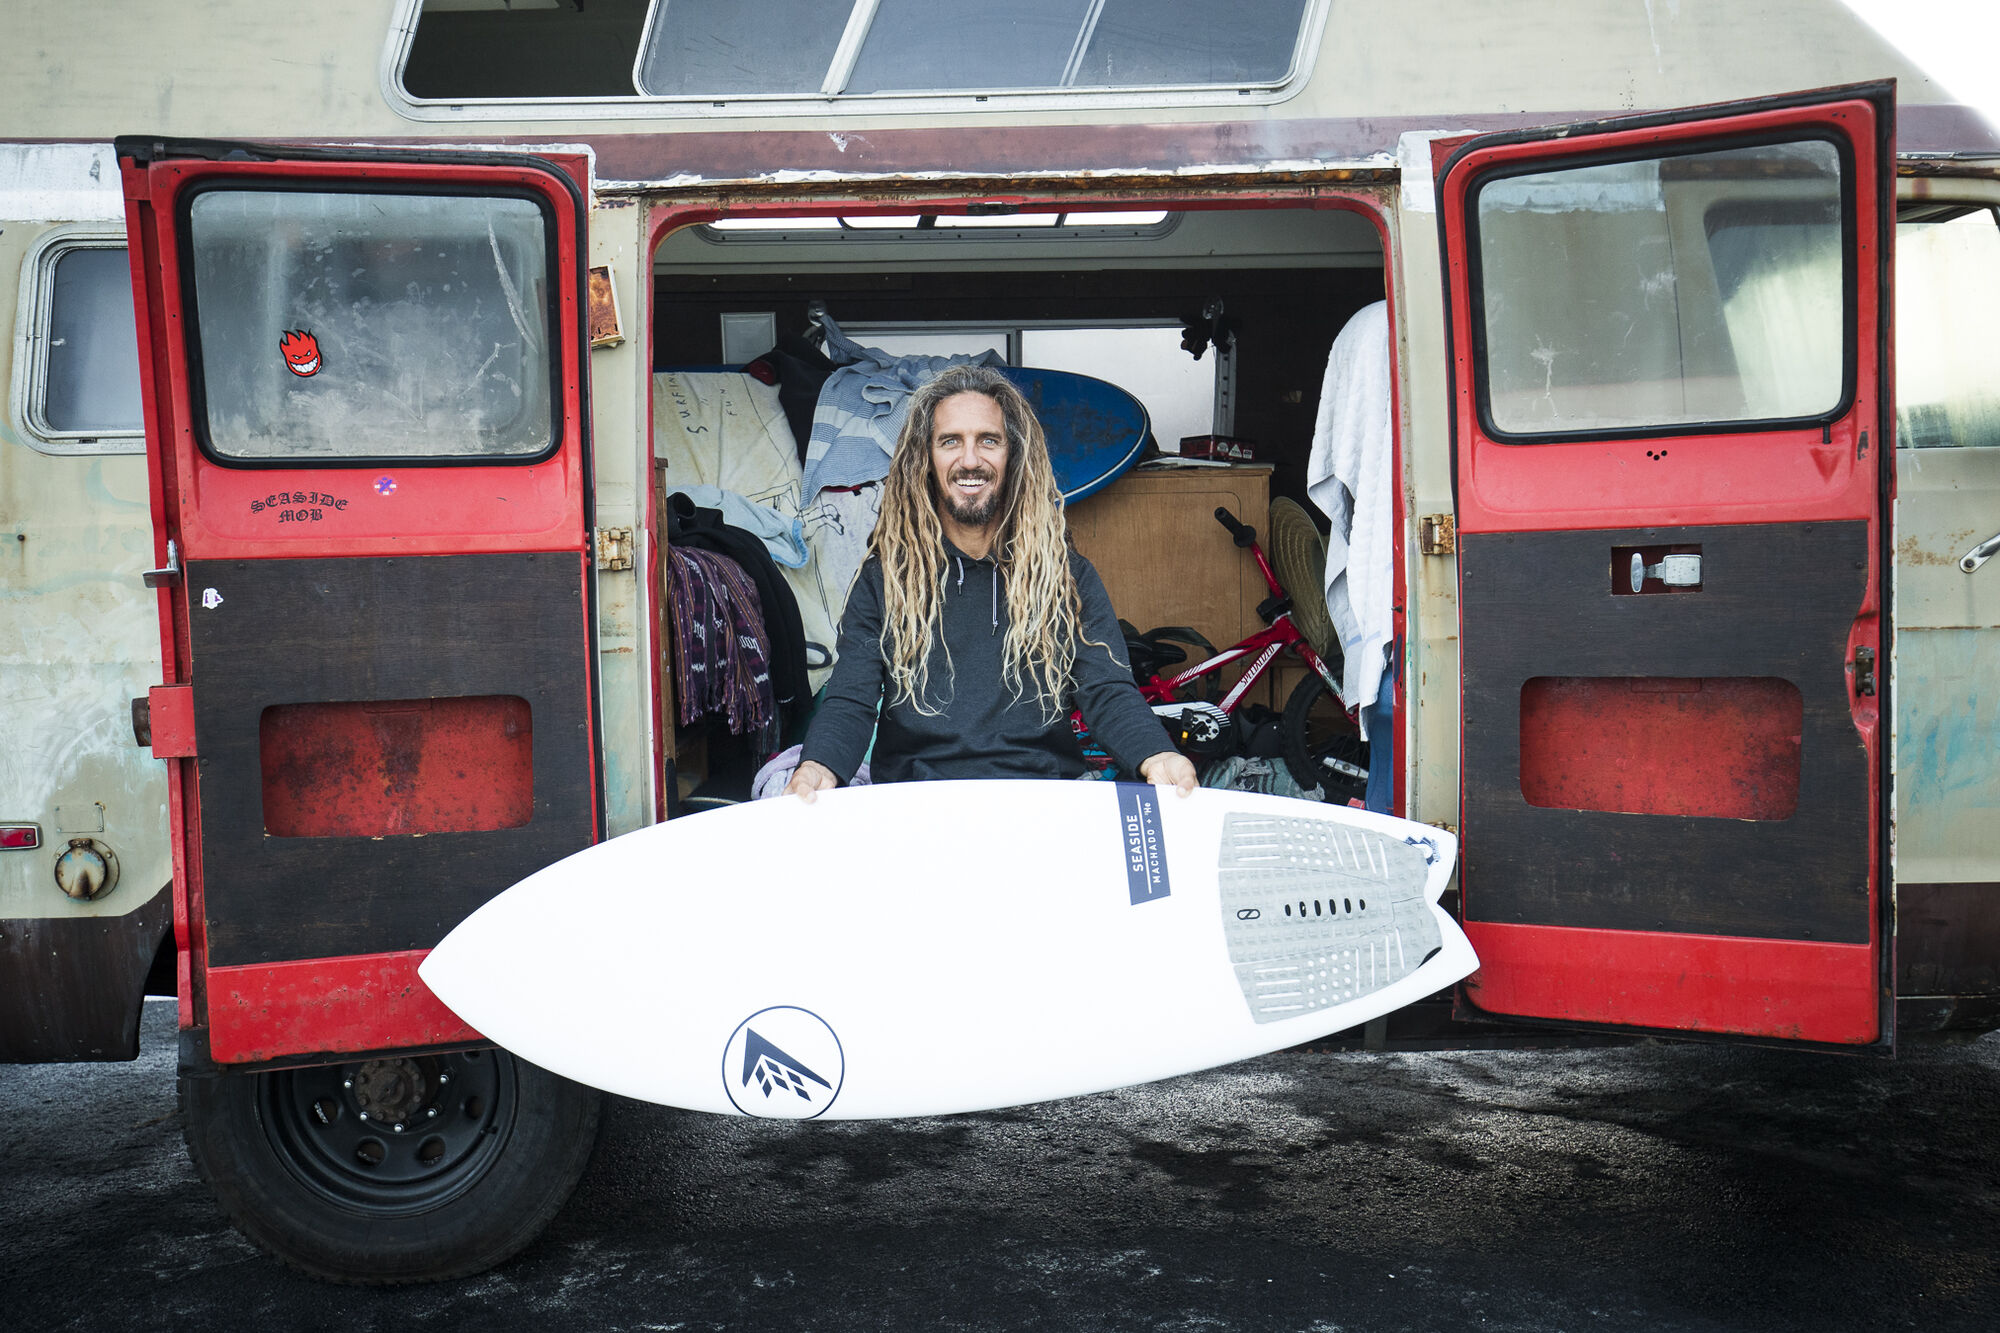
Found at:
(722, 652)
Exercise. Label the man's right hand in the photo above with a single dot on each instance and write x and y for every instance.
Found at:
(809, 780)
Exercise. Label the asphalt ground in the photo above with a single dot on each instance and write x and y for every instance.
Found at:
(1657, 1187)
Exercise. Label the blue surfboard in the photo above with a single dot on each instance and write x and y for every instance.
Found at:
(1095, 429)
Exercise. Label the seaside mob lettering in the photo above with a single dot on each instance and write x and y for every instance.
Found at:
(1145, 856)
(299, 506)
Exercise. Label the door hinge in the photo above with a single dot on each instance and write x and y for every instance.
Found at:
(614, 548)
(1437, 534)
(1864, 672)
(164, 720)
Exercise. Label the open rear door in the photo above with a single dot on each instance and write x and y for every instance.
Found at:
(366, 424)
(1672, 431)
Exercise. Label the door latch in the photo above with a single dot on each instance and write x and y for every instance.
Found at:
(1675, 571)
(1864, 672)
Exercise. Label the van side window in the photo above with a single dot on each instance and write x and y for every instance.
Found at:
(349, 326)
(76, 383)
(800, 56)
(1948, 329)
(1702, 290)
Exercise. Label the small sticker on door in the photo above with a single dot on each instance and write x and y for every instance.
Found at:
(301, 351)
(210, 598)
(385, 485)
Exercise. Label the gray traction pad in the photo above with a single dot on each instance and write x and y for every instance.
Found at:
(1317, 913)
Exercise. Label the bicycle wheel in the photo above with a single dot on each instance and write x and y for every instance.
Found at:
(1322, 747)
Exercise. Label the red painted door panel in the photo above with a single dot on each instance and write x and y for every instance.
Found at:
(364, 378)
(1668, 343)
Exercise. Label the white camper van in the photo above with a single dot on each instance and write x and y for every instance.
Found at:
(1692, 469)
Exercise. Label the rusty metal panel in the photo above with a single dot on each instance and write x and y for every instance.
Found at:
(382, 768)
(361, 1003)
(1722, 748)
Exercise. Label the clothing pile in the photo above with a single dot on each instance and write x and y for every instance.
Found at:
(722, 655)
(737, 632)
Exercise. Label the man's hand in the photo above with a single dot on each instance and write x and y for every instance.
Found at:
(1168, 768)
(810, 779)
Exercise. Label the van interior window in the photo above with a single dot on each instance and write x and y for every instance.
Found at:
(1948, 330)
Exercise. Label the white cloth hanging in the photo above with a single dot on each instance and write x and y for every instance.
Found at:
(1350, 476)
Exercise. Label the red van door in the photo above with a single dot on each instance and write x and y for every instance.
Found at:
(1672, 448)
(366, 413)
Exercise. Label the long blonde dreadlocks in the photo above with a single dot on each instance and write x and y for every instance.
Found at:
(1044, 610)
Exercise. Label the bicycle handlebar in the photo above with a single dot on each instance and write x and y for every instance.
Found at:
(1244, 534)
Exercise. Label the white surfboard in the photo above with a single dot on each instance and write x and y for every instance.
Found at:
(929, 947)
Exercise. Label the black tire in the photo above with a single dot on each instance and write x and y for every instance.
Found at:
(1321, 742)
(492, 1148)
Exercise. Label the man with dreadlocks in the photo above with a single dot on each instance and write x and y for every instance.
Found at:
(973, 628)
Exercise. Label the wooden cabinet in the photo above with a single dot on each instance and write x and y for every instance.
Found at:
(1165, 560)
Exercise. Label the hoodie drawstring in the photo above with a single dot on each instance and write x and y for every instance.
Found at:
(993, 596)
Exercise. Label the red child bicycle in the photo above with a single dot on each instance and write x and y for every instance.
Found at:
(1321, 746)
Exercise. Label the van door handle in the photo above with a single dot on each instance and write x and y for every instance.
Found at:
(1980, 554)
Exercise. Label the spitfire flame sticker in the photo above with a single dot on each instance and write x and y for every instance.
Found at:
(301, 351)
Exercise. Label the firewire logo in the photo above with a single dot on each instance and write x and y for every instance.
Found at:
(783, 1063)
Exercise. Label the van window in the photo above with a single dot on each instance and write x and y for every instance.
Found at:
(1180, 392)
(708, 51)
(77, 386)
(1685, 292)
(1948, 331)
(346, 326)
(697, 48)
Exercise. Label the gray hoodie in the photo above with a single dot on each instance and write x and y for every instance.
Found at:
(980, 730)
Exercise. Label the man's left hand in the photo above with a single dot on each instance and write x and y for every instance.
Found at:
(1170, 768)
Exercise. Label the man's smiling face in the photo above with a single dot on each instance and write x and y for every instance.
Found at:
(969, 457)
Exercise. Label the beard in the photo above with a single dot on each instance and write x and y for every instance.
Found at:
(972, 513)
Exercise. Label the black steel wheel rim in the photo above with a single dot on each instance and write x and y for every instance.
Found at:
(335, 1127)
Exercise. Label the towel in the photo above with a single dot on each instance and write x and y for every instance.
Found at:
(1350, 477)
(772, 777)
